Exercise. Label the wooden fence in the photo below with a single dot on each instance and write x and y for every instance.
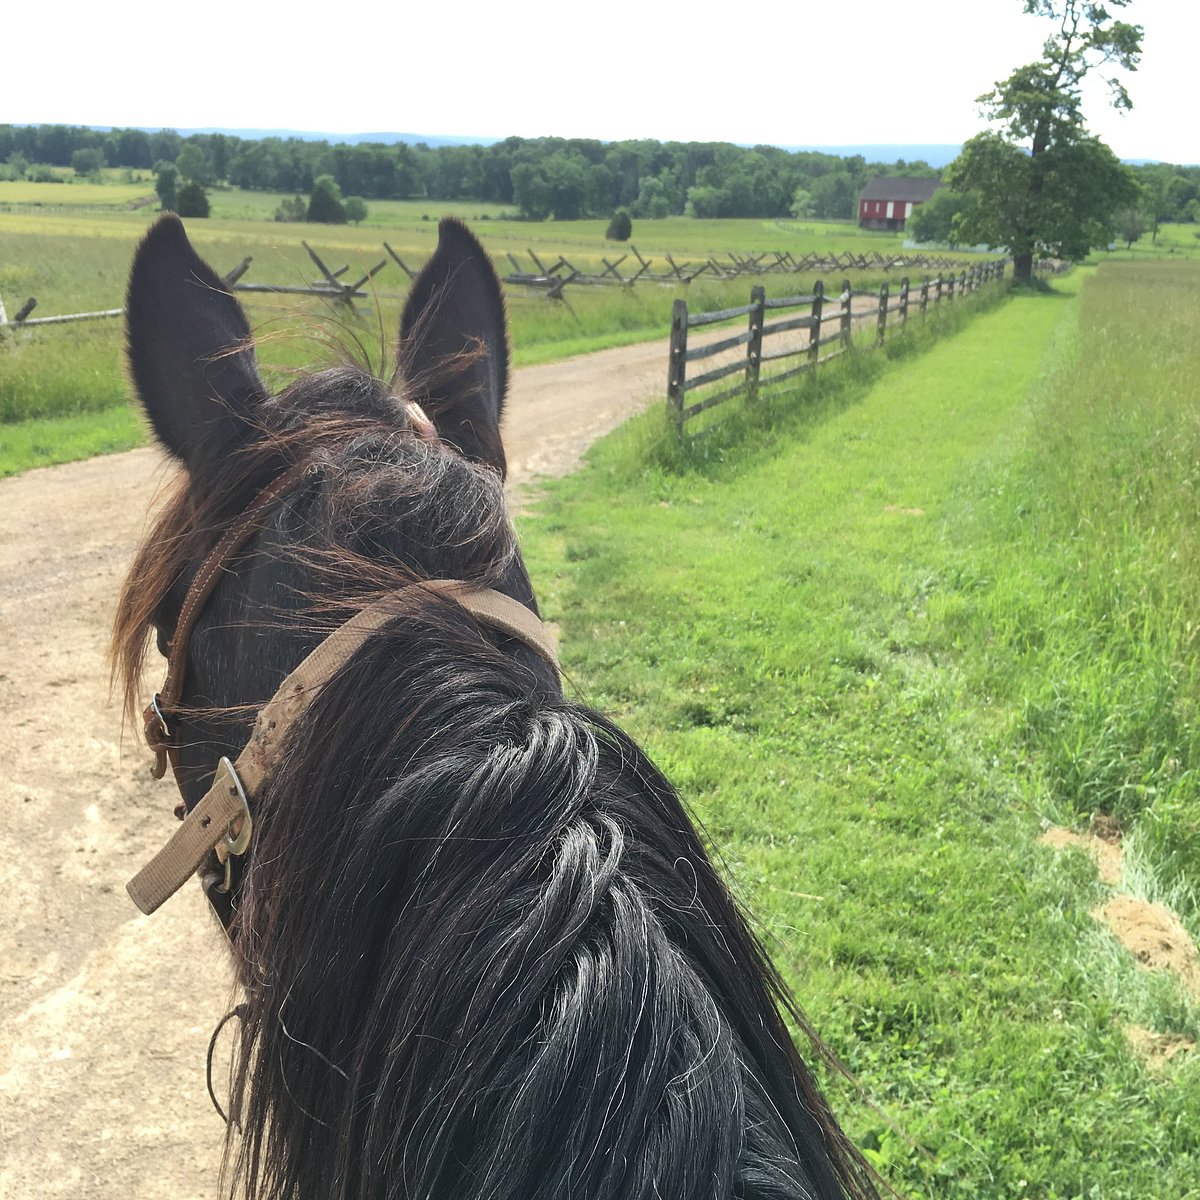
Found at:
(828, 323)
(554, 278)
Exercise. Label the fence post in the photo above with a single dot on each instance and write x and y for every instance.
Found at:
(847, 312)
(962, 283)
(904, 300)
(883, 311)
(924, 297)
(937, 296)
(677, 366)
(758, 296)
(814, 334)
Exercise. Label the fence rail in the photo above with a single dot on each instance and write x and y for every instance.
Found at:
(553, 279)
(828, 328)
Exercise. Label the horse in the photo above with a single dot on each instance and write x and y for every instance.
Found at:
(481, 952)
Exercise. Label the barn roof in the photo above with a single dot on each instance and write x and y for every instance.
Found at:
(900, 187)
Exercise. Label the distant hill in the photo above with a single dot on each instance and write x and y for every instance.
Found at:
(306, 135)
(936, 155)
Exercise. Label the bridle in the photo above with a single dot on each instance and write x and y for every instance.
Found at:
(219, 827)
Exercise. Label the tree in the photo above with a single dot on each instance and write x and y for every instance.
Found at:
(1042, 184)
(166, 181)
(86, 162)
(356, 209)
(192, 200)
(1161, 185)
(620, 228)
(1130, 223)
(192, 164)
(652, 199)
(933, 221)
(325, 204)
(803, 205)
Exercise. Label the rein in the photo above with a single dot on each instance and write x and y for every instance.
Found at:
(220, 825)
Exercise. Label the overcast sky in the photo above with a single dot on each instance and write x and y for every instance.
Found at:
(795, 72)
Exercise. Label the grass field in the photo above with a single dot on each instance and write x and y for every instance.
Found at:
(878, 645)
(72, 253)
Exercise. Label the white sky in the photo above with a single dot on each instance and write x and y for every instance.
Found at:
(877, 71)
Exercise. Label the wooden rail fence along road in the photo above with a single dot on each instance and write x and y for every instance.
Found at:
(828, 323)
(548, 280)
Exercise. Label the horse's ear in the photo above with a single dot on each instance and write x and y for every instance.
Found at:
(189, 348)
(454, 345)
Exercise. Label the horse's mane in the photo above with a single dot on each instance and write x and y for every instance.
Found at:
(485, 954)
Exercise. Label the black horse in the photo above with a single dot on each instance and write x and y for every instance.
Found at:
(481, 950)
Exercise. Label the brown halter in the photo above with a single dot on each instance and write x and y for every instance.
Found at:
(221, 822)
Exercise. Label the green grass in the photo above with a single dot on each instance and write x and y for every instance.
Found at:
(832, 636)
(75, 258)
(42, 443)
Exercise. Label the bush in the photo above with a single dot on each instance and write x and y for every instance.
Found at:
(325, 205)
(356, 209)
(292, 210)
(166, 182)
(620, 228)
(192, 200)
(87, 162)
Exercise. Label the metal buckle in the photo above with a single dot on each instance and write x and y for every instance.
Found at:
(235, 844)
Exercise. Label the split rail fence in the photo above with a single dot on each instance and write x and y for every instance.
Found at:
(548, 280)
(554, 278)
(889, 310)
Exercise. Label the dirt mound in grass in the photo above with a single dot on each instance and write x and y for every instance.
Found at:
(1150, 932)
(1154, 936)
(1156, 1050)
(1105, 852)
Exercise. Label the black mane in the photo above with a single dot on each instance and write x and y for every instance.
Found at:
(563, 1000)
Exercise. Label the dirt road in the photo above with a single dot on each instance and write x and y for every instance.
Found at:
(105, 1015)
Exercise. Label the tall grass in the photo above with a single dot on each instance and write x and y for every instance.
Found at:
(1102, 622)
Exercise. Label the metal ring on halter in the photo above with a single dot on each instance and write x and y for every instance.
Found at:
(158, 712)
(235, 844)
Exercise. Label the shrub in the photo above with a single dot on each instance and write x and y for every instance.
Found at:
(166, 182)
(87, 162)
(356, 209)
(292, 210)
(620, 228)
(325, 205)
(192, 200)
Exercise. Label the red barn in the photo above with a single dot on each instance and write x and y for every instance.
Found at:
(887, 201)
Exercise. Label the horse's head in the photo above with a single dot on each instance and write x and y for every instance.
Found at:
(390, 483)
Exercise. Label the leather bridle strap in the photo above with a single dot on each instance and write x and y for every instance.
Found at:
(222, 821)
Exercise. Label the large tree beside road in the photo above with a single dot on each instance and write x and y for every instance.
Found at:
(1038, 182)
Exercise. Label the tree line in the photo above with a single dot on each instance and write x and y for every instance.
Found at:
(548, 177)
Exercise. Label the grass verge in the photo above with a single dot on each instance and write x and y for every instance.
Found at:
(813, 632)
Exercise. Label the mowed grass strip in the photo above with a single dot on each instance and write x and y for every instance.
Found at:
(783, 626)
